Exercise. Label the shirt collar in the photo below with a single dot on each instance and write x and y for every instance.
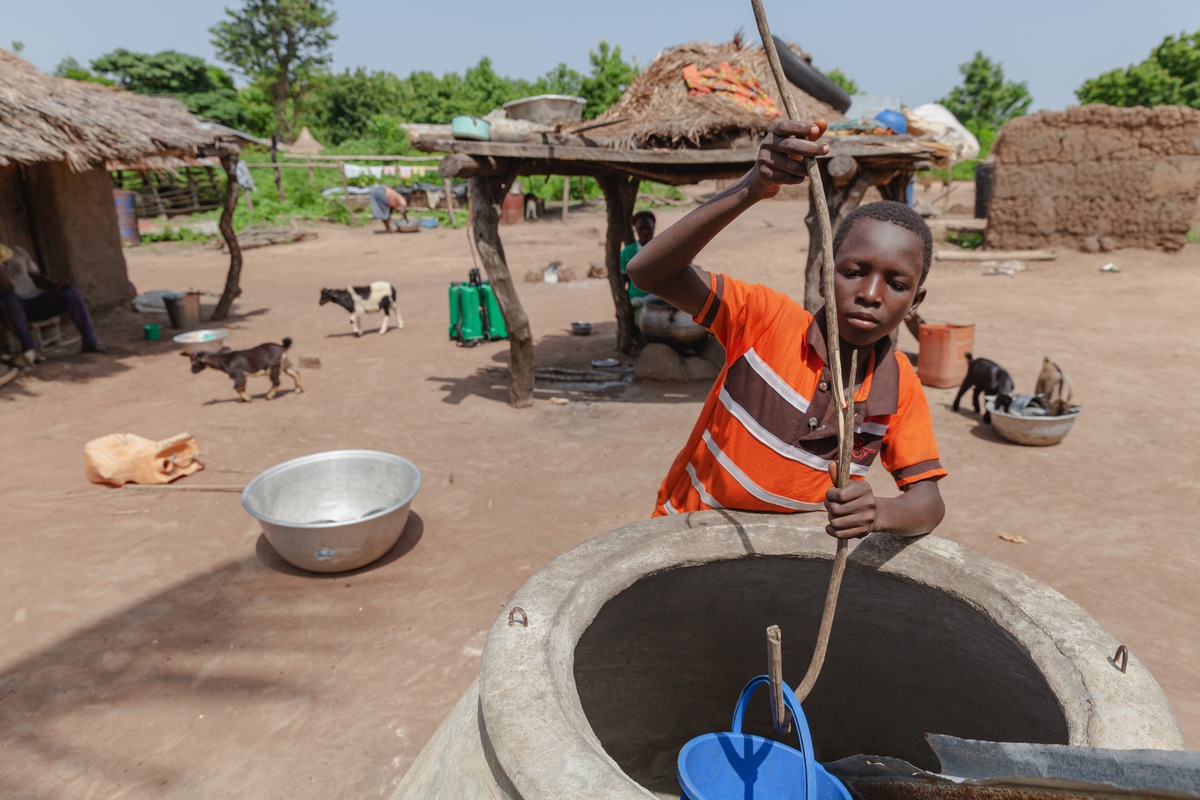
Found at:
(884, 382)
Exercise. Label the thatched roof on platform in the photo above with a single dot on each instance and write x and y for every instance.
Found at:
(44, 118)
(657, 110)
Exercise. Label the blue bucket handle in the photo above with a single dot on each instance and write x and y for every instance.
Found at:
(798, 718)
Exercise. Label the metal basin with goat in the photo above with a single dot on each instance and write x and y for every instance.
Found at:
(334, 511)
(1032, 430)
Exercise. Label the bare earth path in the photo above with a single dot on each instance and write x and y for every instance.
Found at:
(155, 647)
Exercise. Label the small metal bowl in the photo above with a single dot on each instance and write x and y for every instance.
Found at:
(209, 340)
(334, 511)
(581, 328)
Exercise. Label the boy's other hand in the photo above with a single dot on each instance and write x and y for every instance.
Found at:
(852, 510)
(782, 152)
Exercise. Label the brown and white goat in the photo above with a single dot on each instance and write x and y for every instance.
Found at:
(359, 300)
(266, 359)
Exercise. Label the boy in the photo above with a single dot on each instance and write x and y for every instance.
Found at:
(767, 435)
(643, 225)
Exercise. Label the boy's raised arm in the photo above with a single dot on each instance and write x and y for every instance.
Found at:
(664, 266)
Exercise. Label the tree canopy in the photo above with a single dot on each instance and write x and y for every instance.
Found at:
(985, 100)
(280, 44)
(1170, 76)
(206, 89)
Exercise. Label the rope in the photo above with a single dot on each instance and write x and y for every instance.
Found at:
(844, 400)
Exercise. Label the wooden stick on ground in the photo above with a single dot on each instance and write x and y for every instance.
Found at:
(187, 487)
(833, 346)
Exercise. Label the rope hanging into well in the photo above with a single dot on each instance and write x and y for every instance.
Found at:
(844, 400)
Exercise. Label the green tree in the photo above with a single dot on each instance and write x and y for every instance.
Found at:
(345, 104)
(607, 81)
(281, 44)
(846, 84)
(202, 87)
(985, 100)
(70, 67)
(560, 80)
(1170, 76)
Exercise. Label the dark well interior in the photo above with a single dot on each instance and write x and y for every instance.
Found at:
(664, 661)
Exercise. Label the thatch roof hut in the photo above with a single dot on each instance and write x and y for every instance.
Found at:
(657, 109)
(44, 118)
(55, 137)
(305, 144)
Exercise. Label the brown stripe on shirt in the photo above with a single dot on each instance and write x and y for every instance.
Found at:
(715, 305)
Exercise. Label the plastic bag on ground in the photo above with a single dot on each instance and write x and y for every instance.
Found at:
(121, 458)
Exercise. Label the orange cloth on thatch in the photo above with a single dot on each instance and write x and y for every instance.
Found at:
(738, 82)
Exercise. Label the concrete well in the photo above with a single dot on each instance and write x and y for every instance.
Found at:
(641, 638)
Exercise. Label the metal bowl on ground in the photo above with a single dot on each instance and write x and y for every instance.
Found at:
(581, 328)
(334, 511)
(209, 340)
(1031, 430)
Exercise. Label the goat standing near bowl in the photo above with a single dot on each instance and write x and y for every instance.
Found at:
(266, 359)
(359, 300)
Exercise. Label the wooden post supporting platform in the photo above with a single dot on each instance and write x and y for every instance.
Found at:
(485, 194)
(233, 278)
(619, 194)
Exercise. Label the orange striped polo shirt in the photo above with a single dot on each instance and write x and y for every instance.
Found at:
(768, 430)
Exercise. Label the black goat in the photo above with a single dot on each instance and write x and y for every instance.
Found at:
(988, 378)
(266, 359)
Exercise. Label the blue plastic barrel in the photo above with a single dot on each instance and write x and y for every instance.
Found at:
(717, 766)
(126, 202)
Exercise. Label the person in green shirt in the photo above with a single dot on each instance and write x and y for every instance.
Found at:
(643, 226)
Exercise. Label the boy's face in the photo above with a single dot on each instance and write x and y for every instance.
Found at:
(644, 228)
(876, 276)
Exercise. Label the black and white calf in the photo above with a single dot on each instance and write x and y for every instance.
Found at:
(359, 300)
(266, 359)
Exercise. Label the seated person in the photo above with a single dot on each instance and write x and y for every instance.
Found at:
(385, 200)
(643, 226)
(26, 294)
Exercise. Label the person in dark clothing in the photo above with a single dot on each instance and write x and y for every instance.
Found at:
(28, 295)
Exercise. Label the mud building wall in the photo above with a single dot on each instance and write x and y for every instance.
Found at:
(1132, 174)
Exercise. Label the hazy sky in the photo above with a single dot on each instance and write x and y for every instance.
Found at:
(908, 49)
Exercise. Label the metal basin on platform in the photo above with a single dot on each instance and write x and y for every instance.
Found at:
(334, 511)
(613, 656)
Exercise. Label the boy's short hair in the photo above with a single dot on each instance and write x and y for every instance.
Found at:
(897, 214)
(645, 215)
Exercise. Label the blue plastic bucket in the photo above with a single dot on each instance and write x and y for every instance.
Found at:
(717, 766)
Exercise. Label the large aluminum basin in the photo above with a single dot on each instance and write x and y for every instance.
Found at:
(334, 511)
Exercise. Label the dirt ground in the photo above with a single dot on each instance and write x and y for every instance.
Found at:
(156, 647)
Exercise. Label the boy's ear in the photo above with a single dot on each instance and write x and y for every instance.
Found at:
(912, 310)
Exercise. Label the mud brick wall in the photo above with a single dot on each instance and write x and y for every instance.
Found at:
(1132, 174)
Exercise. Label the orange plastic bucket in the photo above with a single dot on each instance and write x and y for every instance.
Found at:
(942, 360)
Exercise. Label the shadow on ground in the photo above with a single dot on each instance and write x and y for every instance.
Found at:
(232, 633)
(564, 353)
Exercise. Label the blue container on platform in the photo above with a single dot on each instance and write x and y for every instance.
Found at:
(126, 203)
(893, 119)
